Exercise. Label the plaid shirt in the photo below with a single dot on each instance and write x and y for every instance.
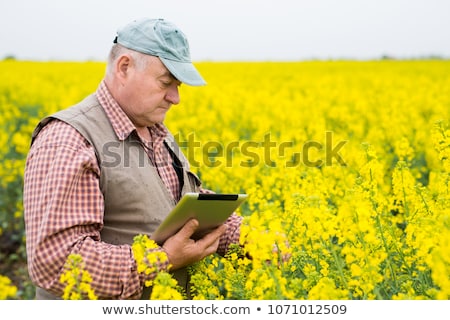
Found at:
(63, 207)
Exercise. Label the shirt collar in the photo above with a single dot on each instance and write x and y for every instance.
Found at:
(120, 122)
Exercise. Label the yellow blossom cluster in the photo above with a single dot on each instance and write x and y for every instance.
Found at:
(76, 279)
(148, 258)
(7, 289)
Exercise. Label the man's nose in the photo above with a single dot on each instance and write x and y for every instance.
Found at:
(173, 96)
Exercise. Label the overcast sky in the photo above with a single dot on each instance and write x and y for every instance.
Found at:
(232, 29)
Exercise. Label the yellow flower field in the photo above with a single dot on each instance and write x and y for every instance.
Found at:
(346, 164)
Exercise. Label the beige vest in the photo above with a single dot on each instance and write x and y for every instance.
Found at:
(136, 200)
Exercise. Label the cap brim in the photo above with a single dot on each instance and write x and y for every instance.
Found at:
(184, 72)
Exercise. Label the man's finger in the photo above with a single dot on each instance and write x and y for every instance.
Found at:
(188, 229)
(211, 237)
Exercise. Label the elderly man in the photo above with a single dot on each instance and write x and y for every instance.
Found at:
(107, 169)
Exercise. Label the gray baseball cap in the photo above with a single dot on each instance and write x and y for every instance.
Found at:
(160, 38)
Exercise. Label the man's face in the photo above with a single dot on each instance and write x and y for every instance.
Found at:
(149, 92)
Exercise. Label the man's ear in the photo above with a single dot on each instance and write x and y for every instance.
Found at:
(123, 65)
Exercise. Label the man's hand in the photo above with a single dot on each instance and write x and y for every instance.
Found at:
(182, 250)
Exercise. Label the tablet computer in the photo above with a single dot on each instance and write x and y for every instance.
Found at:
(210, 209)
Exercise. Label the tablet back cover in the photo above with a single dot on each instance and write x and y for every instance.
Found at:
(211, 210)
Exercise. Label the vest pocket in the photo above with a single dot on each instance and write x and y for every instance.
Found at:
(194, 182)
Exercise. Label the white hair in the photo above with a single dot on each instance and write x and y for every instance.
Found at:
(140, 60)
